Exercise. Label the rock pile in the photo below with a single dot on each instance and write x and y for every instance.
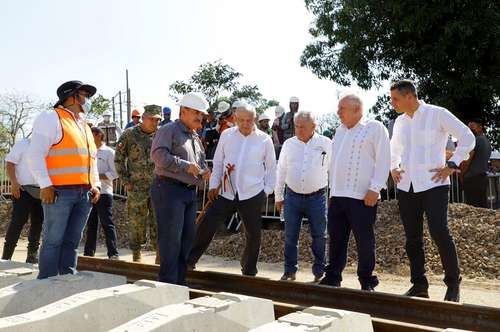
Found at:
(476, 232)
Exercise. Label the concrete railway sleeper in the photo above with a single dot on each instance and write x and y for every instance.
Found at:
(389, 312)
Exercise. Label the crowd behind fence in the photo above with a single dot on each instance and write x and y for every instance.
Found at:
(268, 210)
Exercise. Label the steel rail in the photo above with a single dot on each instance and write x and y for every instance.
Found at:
(381, 306)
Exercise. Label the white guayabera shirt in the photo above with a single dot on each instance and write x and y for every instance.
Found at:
(418, 145)
(361, 159)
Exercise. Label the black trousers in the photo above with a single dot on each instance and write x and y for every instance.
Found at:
(101, 211)
(476, 190)
(221, 209)
(24, 208)
(434, 202)
(345, 215)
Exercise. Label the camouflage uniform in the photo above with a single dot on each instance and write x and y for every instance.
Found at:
(134, 166)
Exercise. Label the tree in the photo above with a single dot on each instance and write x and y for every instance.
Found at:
(99, 105)
(3, 139)
(17, 110)
(328, 121)
(450, 48)
(219, 81)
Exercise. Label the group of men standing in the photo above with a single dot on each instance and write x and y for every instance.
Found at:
(161, 169)
(358, 162)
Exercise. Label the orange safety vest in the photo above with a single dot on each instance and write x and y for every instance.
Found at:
(69, 161)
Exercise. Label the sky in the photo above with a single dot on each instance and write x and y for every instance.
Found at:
(45, 43)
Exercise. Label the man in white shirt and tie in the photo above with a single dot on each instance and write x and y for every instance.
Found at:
(421, 172)
(302, 180)
(251, 151)
(358, 171)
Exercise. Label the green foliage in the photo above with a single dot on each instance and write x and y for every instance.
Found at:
(450, 48)
(219, 81)
(99, 105)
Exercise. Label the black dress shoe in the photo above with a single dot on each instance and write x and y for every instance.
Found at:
(317, 278)
(368, 288)
(418, 291)
(327, 282)
(453, 293)
(288, 276)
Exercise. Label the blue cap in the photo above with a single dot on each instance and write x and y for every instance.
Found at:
(166, 110)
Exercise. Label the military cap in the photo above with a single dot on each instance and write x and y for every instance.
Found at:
(153, 111)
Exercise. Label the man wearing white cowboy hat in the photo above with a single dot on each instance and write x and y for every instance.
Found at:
(179, 159)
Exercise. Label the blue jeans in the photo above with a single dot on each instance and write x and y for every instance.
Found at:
(63, 225)
(175, 207)
(313, 207)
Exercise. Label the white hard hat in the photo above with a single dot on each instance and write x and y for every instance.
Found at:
(279, 111)
(237, 103)
(222, 107)
(294, 99)
(195, 101)
(264, 116)
(106, 113)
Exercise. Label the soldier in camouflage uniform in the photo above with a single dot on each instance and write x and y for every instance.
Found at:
(135, 169)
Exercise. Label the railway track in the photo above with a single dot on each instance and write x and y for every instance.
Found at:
(389, 312)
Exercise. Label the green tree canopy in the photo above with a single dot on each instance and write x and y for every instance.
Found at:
(450, 48)
(99, 105)
(219, 81)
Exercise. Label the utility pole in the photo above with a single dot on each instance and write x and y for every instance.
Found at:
(121, 111)
(128, 97)
(113, 108)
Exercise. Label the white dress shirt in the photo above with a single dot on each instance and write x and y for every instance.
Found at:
(106, 166)
(47, 131)
(418, 145)
(361, 159)
(303, 167)
(19, 157)
(254, 160)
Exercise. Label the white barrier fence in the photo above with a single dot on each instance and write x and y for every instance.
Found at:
(456, 192)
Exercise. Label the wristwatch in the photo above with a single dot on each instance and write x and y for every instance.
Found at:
(452, 165)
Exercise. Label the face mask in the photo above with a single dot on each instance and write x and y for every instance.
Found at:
(86, 106)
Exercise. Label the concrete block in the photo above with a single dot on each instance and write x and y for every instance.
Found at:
(321, 319)
(30, 295)
(15, 275)
(8, 264)
(97, 310)
(351, 321)
(221, 312)
(285, 327)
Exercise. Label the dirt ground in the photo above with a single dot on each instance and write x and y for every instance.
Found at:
(480, 292)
